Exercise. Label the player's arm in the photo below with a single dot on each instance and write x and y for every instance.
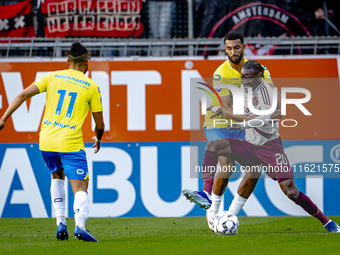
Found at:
(227, 111)
(225, 97)
(96, 107)
(98, 130)
(30, 91)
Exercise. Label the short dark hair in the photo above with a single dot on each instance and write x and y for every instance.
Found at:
(78, 53)
(252, 64)
(234, 35)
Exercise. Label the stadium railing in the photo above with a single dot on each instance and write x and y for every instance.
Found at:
(110, 48)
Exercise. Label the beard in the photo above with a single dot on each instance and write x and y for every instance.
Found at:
(237, 61)
(85, 70)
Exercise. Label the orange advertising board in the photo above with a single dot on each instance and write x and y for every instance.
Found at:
(140, 96)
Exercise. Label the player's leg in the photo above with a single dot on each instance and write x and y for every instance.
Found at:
(53, 163)
(202, 198)
(220, 184)
(208, 178)
(81, 203)
(58, 195)
(248, 183)
(273, 154)
(291, 191)
(245, 189)
(81, 209)
(225, 162)
(240, 151)
(58, 200)
(222, 177)
(76, 170)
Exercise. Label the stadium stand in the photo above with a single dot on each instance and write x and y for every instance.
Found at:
(129, 28)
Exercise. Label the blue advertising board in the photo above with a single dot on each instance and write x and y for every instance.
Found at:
(145, 179)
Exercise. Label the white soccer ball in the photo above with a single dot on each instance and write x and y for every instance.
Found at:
(225, 223)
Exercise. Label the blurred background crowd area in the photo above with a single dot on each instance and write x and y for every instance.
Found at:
(153, 27)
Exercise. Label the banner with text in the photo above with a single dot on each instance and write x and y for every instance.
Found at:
(146, 179)
(150, 100)
(100, 18)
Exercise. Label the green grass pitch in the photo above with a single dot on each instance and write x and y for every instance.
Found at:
(190, 235)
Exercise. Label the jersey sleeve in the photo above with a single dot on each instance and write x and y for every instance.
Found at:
(43, 82)
(96, 100)
(267, 78)
(264, 107)
(266, 98)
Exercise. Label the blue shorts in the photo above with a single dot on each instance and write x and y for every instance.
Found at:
(74, 164)
(213, 134)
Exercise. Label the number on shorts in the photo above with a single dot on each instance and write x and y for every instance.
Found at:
(73, 96)
(281, 159)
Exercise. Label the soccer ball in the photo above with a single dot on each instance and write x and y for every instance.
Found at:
(225, 223)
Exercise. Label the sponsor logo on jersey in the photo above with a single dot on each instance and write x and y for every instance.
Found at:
(255, 101)
(58, 124)
(72, 78)
(217, 77)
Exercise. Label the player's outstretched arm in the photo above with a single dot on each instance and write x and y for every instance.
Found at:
(30, 91)
(99, 130)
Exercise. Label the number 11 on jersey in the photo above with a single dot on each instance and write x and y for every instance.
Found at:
(73, 96)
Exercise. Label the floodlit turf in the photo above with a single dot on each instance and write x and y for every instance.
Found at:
(258, 235)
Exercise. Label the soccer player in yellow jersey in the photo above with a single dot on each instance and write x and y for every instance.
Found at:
(227, 73)
(69, 95)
